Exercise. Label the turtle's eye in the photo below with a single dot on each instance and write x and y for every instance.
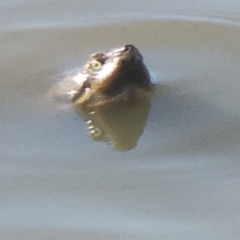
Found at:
(96, 65)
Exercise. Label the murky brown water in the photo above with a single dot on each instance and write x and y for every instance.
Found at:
(181, 182)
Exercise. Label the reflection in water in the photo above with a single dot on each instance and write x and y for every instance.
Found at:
(119, 122)
(112, 92)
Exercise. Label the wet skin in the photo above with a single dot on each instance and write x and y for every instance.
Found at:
(105, 75)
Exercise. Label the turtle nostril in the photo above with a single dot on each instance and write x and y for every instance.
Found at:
(128, 48)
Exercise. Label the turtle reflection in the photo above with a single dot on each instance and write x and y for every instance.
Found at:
(119, 122)
(113, 94)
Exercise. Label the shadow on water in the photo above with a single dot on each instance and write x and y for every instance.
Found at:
(179, 123)
(182, 123)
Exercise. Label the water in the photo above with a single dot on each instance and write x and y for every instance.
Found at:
(182, 180)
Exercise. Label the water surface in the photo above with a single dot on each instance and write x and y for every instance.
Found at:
(182, 180)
